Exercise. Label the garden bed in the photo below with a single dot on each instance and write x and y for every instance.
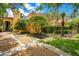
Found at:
(38, 35)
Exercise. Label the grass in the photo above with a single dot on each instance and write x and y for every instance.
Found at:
(69, 46)
(76, 36)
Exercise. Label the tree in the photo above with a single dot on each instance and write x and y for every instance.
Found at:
(54, 7)
(62, 23)
(3, 7)
(21, 25)
(75, 9)
(13, 6)
(38, 21)
(75, 24)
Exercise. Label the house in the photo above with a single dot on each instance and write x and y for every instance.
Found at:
(9, 22)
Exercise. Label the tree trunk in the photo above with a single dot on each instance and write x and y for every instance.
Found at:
(56, 18)
(62, 27)
(1, 18)
(77, 27)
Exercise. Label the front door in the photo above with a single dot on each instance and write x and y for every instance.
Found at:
(7, 26)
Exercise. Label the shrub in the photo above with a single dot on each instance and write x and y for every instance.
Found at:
(1, 28)
(38, 21)
(74, 22)
(54, 29)
(21, 25)
(47, 29)
(59, 31)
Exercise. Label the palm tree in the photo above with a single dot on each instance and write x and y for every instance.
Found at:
(55, 7)
(62, 23)
(13, 5)
(76, 6)
(3, 7)
(75, 9)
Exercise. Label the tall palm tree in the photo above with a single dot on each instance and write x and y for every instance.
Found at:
(3, 7)
(55, 7)
(13, 5)
(62, 23)
(76, 7)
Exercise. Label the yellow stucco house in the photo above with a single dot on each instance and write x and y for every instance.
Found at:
(9, 22)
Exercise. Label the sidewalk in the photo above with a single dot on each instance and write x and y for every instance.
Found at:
(27, 46)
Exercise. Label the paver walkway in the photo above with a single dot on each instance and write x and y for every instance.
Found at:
(34, 48)
(27, 46)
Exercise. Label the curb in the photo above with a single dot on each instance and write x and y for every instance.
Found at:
(53, 49)
(56, 50)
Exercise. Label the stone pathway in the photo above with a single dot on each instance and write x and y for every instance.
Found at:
(13, 50)
(27, 46)
(20, 47)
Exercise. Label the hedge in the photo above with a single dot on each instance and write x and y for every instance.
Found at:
(53, 29)
(59, 31)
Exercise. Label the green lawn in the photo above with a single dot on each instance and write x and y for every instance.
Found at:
(76, 36)
(69, 46)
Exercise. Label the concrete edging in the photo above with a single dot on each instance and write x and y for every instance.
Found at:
(55, 50)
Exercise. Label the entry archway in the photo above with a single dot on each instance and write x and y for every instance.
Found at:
(7, 26)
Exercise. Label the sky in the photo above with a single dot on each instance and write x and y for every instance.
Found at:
(29, 7)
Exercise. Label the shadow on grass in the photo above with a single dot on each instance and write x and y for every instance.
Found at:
(69, 46)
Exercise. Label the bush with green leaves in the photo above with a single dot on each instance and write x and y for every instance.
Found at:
(54, 29)
(0, 28)
(47, 29)
(21, 25)
(38, 21)
(74, 22)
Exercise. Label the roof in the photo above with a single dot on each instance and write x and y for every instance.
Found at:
(31, 14)
(7, 17)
